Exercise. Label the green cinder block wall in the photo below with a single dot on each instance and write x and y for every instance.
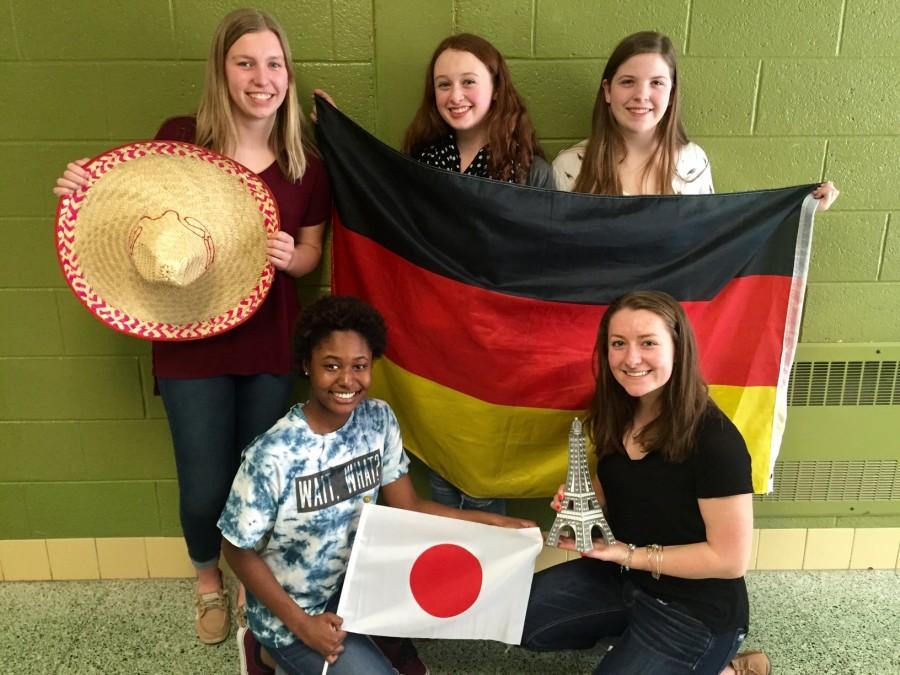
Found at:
(777, 93)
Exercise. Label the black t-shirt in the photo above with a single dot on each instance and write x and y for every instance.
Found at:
(651, 501)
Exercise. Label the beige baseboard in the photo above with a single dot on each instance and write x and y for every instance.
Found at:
(166, 557)
(108, 558)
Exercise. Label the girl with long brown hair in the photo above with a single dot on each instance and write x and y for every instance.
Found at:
(638, 145)
(673, 475)
(472, 120)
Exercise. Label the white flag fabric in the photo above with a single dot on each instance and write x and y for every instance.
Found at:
(417, 575)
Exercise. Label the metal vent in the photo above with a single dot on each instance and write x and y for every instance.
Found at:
(828, 383)
(841, 481)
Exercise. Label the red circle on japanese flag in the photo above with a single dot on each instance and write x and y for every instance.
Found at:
(445, 580)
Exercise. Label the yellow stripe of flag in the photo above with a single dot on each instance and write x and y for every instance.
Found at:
(490, 450)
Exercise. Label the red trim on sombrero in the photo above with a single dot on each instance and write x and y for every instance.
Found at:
(67, 211)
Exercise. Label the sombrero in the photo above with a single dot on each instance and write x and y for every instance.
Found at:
(167, 240)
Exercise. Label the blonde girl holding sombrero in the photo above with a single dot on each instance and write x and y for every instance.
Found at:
(221, 392)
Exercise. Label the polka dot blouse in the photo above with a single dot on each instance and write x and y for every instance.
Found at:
(445, 155)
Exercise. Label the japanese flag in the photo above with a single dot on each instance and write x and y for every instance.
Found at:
(416, 575)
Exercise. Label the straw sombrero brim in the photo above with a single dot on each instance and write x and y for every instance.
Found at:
(144, 181)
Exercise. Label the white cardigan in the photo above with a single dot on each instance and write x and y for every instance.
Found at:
(693, 175)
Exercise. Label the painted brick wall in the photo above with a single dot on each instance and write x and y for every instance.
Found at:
(777, 93)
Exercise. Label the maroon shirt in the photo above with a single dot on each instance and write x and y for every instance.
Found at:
(262, 344)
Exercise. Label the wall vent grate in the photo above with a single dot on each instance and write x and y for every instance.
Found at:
(841, 481)
(844, 383)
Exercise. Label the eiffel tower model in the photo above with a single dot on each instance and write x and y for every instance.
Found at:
(580, 512)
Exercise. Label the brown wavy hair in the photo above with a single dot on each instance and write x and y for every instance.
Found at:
(215, 123)
(684, 398)
(606, 146)
(511, 136)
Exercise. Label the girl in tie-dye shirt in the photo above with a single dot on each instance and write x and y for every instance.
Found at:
(292, 514)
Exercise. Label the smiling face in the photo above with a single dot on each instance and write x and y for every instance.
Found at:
(340, 371)
(641, 353)
(463, 91)
(257, 76)
(639, 93)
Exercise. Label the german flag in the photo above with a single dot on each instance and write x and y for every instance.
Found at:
(493, 292)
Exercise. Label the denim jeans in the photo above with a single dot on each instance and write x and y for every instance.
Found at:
(212, 420)
(575, 604)
(360, 655)
(444, 492)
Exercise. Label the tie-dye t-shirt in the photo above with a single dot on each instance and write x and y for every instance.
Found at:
(297, 498)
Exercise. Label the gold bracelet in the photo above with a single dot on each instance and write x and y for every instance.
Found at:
(654, 560)
(627, 564)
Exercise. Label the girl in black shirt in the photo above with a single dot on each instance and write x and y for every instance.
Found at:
(673, 476)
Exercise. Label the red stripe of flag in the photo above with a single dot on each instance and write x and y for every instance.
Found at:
(440, 329)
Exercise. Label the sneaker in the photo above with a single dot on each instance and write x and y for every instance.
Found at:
(751, 663)
(250, 654)
(402, 654)
(212, 619)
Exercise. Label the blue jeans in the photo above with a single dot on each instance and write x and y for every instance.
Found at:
(444, 492)
(360, 655)
(575, 604)
(212, 420)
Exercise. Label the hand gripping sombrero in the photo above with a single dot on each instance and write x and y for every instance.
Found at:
(167, 241)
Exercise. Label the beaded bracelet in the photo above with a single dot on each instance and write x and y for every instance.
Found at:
(627, 564)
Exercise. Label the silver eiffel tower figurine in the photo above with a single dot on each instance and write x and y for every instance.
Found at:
(580, 512)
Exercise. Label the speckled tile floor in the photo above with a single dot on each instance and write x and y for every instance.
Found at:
(810, 623)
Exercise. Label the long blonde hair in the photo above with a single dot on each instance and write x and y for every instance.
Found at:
(215, 123)
(606, 146)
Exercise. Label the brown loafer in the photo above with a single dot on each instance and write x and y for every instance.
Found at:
(212, 619)
(751, 663)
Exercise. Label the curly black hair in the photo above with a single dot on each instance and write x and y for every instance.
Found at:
(338, 312)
